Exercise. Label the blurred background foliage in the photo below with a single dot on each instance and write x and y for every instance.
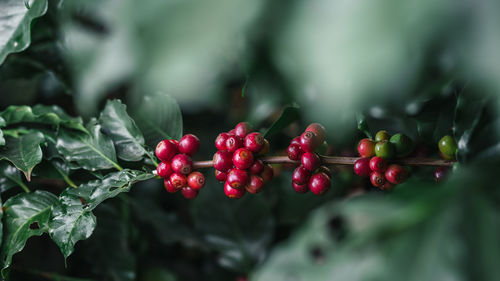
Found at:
(424, 68)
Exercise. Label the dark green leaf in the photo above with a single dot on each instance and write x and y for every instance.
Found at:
(24, 152)
(10, 176)
(289, 115)
(26, 215)
(362, 125)
(2, 124)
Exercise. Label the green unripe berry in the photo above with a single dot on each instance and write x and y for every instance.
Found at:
(403, 144)
(447, 146)
(385, 149)
(382, 135)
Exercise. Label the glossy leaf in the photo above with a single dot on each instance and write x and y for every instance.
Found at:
(24, 152)
(2, 124)
(9, 176)
(73, 219)
(126, 136)
(289, 115)
(25, 215)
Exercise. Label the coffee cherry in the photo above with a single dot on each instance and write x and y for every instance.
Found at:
(232, 132)
(377, 179)
(233, 143)
(366, 148)
(189, 193)
(220, 176)
(181, 163)
(319, 183)
(242, 158)
(382, 135)
(268, 173)
(255, 184)
(257, 167)
(243, 129)
(178, 180)
(189, 144)
(233, 193)
(220, 141)
(294, 152)
(300, 188)
(223, 161)
(295, 141)
(446, 157)
(237, 178)
(385, 149)
(396, 174)
(310, 161)
(196, 180)
(362, 167)
(324, 169)
(254, 142)
(300, 175)
(309, 141)
(448, 147)
(319, 130)
(402, 144)
(165, 150)
(169, 186)
(378, 164)
(440, 173)
(164, 170)
(265, 149)
(387, 186)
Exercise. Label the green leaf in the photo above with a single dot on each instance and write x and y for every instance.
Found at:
(73, 219)
(2, 124)
(24, 152)
(15, 20)
(289, 115)
(94, 151)
(362, 125)
(26, 215)
(126, 136)
(10, 176)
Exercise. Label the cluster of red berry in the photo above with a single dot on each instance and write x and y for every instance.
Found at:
(309, 175)
(176, 166)
(236, 161)
(375, 154)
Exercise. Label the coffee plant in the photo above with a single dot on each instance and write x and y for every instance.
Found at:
(249, 140)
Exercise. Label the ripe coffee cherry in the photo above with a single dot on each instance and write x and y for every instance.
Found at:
(294, 152)
(265, 149)
(382, 135)
(309, 141)
(301, 175)
(189, 193)
(402, 144)
(233, 143)
(362, 167)
(385, 149)
(378, 164)
(254, 142)
(310, 161)
(243, 129)
(255, 184)
(319, 183)
(387, 186)
(181, 163)
(164, 170)
(189, 144)
(268, 173)
(237, 178)
(242, 158)
(319, 130)
(169, 186)
(232, 132)
(396, 174)
(448, 147)
(220, 176)
(440, 173)
(178, 180)
(366, 148)
(223, 161)
(295, 141)
(196, 180)
(377, 179)
(257, 167)
(233, 192)
(220, 141)
(165, 150)
(300, 188)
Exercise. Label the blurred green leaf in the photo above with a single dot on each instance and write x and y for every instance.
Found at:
(289, 115)
(24, 152)
(2, 124)
(10, 176)
(362, 125)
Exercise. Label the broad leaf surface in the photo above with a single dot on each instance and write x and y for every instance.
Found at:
(2, 124)
(24, 152)
(9, 176)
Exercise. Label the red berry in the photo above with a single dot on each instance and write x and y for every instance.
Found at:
(165, 150)
(295, 141)
(233, 192)
(232, 132)
(178, 180)
(377, 179)
(309, 141)
(387, 186)
(319, 183)
(362, 167)
(189, 193)
(319, 130)
(220, 176)
(257, 167)
(243, 129)
(237, 178)
(223, 161)
(196, 180)
(255, 184)
(242, 158)
(181, 163)
(164, 170)
(169, 186)
(254, 142)
(300, 188)
(396, 174)
(220, 141)
(378, 164)
(310, 161)
(268, 173)
(366, 148)
(265, 149)
(233, 143)
(301, 175)
(440, 173)
(189, 144)
(294, 152)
